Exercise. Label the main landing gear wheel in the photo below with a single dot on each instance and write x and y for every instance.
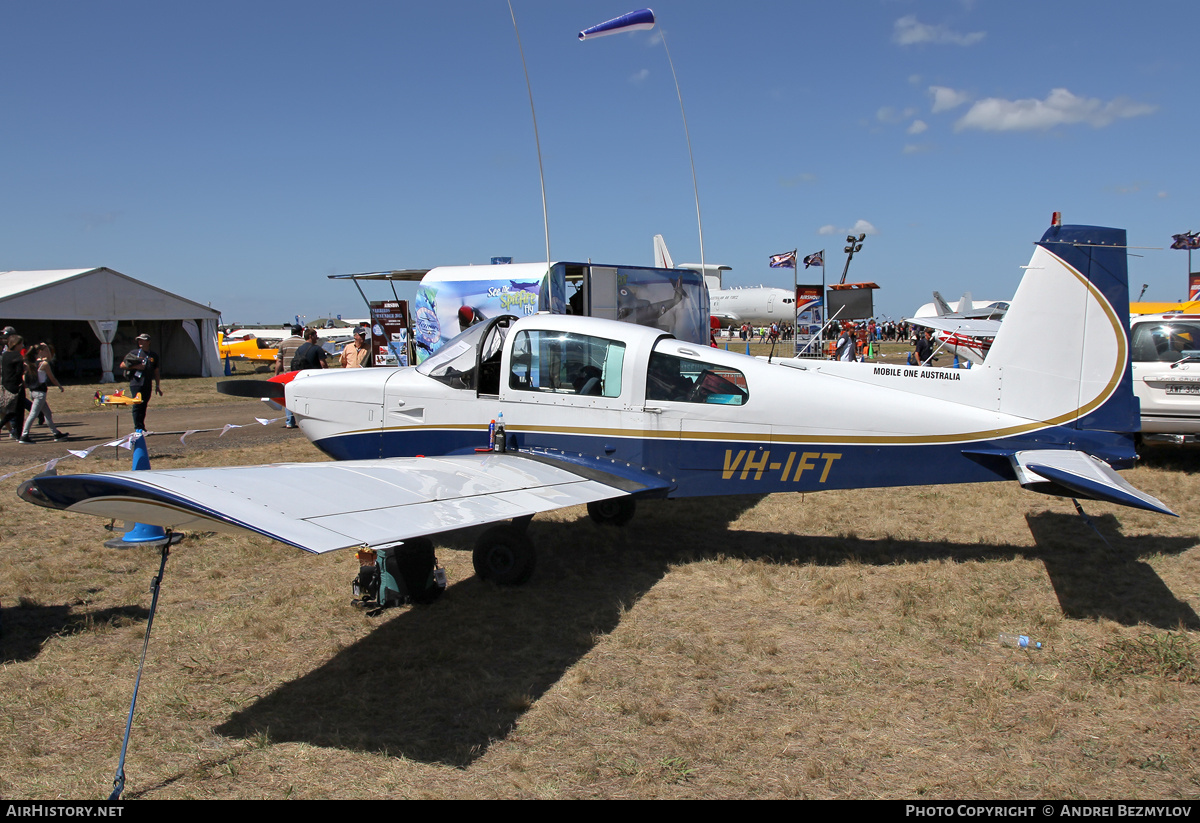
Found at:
(616, 511)
(504, 555)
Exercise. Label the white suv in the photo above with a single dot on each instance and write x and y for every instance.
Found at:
(1166, 375)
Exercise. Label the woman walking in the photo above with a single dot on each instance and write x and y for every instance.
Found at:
(38, 378)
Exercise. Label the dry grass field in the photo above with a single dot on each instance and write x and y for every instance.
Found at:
(837, 645)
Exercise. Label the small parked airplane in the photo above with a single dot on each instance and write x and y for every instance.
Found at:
(968, 308)
(965, 331)
(247, 346)
(597, 412)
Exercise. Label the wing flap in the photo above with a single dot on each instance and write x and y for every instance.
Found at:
(1080, 475)
(321, 507)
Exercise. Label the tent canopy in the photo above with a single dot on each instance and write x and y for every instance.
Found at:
(109, 302)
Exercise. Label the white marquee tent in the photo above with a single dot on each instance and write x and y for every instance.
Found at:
(57, 305)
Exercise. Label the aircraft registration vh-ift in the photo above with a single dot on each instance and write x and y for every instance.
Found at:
(602, 413)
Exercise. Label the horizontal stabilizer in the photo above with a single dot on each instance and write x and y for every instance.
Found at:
(373, 502)
(1075, 474)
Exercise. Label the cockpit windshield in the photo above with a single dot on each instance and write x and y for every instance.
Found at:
(456, 362)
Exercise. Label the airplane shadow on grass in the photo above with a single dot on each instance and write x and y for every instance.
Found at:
(440, 684)
(25, 627)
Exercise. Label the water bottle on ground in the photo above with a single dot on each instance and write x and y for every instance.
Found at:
(1019, 641)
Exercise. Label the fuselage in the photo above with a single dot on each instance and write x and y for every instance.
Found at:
(758, 306)
(710, 421)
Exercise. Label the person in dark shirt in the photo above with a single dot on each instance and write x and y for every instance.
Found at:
(310, 355)
(924, 348)
(142, 367)
(12, 380)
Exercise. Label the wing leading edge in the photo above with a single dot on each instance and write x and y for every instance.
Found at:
(322, 507)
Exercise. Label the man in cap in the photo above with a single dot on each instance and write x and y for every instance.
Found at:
(142, 366)
(357, 354)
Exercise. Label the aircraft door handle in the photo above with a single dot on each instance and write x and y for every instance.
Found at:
(651, 410)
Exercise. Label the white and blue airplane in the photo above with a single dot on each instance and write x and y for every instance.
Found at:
(603, 413)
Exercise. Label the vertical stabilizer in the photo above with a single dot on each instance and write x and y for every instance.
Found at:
(662, 257)
(1063, 348)
(940, 305)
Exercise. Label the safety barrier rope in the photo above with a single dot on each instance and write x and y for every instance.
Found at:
(126, 442)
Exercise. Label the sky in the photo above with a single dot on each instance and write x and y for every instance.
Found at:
(238, 153)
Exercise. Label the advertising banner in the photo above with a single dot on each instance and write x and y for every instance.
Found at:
(810, 317)
(389, 333)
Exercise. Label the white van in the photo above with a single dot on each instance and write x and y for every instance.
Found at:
(1166, 375)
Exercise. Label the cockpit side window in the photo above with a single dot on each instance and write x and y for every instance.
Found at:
(566, 363)
(693, 381)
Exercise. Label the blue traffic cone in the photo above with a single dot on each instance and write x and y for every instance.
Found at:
(228, 370)
(141, 533)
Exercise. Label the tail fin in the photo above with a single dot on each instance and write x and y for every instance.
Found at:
(1065, 339)
(662, 257)
(940, 305)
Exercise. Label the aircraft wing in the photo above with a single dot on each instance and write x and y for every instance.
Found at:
(321, 507)
(958, 325)
(1081, 475)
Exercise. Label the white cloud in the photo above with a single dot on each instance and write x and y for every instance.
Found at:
(908, 31)
(917, 148)
(917, 127)
(1162, 195)
(945, 98)
(639, 76)
(1059, 108)
(859, 227)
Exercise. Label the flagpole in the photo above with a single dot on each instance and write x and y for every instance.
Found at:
(688, 137)
(824, 302)
(642, 20)
(795, 296)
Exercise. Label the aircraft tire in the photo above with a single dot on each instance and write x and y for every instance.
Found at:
(504, 555)
(616, 511)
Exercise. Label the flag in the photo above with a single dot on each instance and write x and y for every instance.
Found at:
(817, 258)
(633, 21)
(1187, 240)
(787, 260)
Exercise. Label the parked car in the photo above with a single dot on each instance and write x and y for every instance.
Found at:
(1166, 375)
